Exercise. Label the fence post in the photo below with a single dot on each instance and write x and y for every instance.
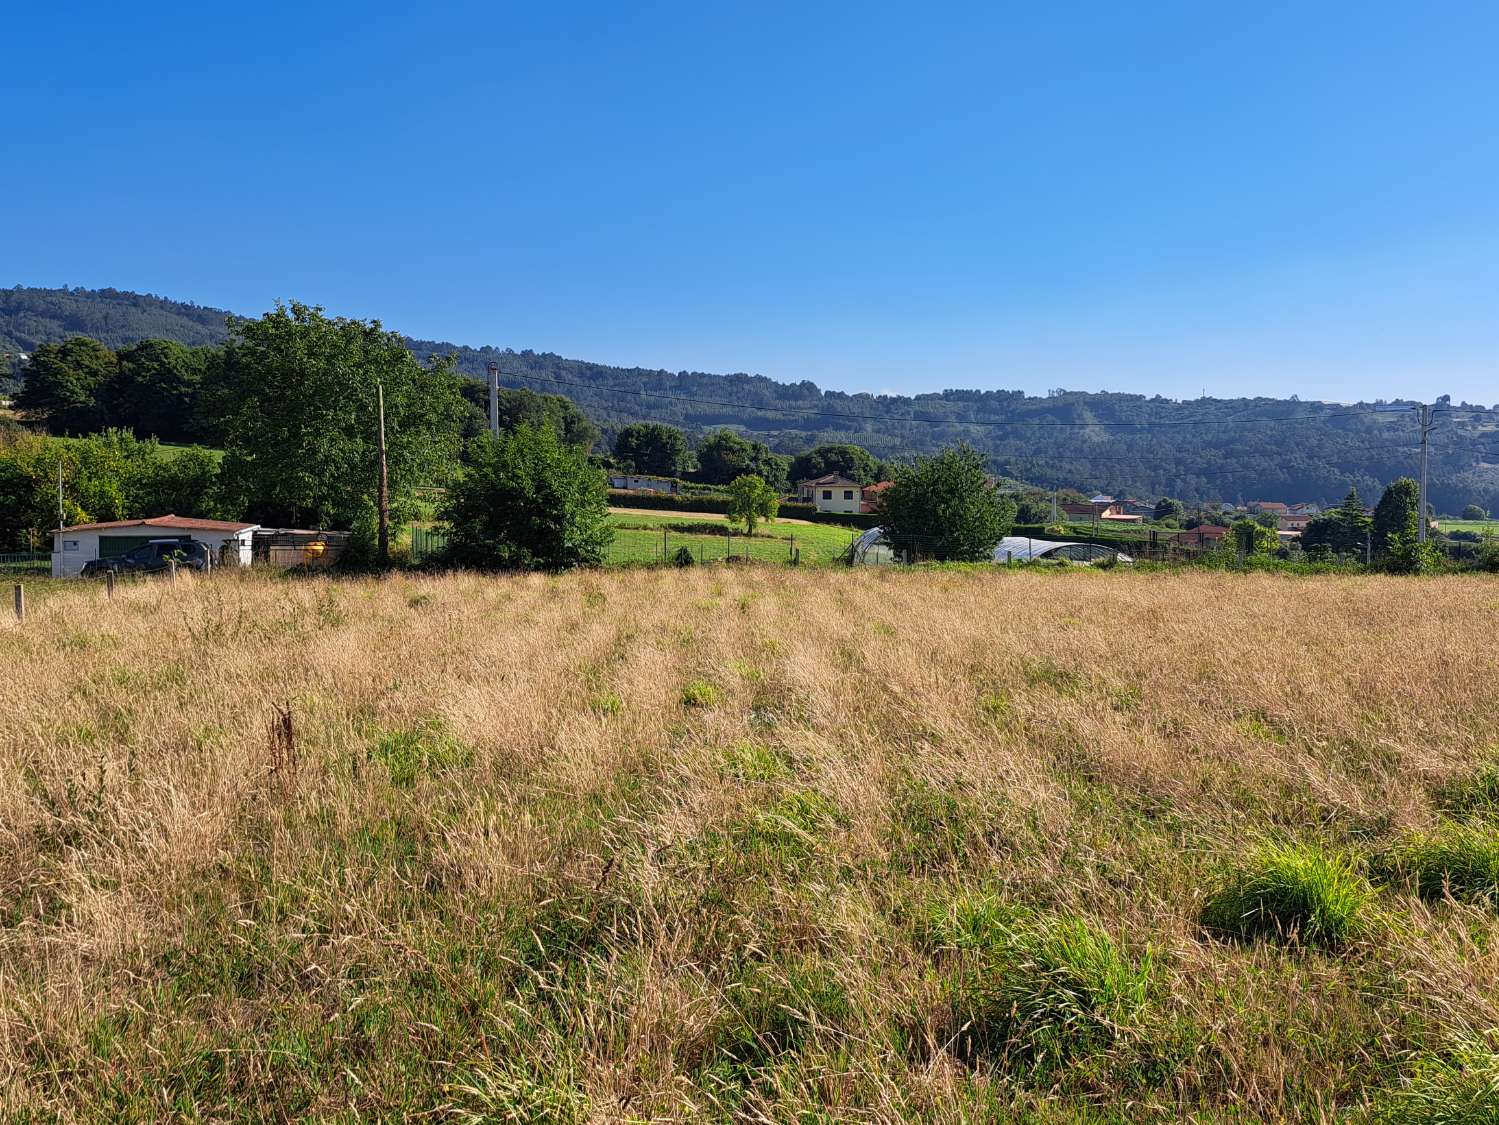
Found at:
(20, 602)
(109, 584)
(171, 571)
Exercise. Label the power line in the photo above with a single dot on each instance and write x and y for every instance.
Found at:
(946, 421)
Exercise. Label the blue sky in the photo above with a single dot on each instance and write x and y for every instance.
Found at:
(1164, 198)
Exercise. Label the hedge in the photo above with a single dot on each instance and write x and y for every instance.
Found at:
(661, 501)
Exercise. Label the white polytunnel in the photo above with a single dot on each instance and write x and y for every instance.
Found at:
(873, 549)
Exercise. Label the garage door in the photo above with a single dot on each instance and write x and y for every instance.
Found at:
(113, 546)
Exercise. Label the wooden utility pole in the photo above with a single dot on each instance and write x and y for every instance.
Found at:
(383, 540)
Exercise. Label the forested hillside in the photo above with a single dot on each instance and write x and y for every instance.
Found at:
(1203, 449)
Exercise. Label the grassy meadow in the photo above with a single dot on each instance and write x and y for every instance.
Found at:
(638, 538)
(751, 843)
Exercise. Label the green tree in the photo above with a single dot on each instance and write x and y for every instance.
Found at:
(724, 456)
(184, 483)
(1395, 514)
(1404, 554)
(1345, 530)
(154, 390)
(851, 461)
(528, 502)
(1474, 512)
(301, 425)
(752, 500)
(944, 508)
(63, 384)
(1169, 509)
(651, 447)
(1250, 537)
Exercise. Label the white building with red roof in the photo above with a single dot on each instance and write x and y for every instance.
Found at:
(72, 547)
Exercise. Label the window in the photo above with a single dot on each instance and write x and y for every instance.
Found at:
(848, 493)
(70, 544)
(827, 493)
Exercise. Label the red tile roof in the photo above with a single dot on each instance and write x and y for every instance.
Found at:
(167, 523)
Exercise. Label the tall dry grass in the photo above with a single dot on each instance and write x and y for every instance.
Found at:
(666, 845)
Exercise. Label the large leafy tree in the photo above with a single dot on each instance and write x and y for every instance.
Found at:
(724, 456)
(63, 382)
(945, 508)
(154, 390)
(851, 461)
(526, 501)
(651, 447)
(752, 500)
(301, 421)
(1395, 514)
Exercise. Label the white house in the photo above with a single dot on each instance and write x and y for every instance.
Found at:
(832, 493)
(73, 546)
(636, 482)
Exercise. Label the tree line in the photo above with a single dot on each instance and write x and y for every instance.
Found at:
(1321, 451)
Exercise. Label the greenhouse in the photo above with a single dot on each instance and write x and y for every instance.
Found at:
(873, 548)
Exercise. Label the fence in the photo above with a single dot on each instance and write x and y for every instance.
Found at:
(634, 546)
(26, 562)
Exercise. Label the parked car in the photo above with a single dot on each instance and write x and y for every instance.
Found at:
(152, 557)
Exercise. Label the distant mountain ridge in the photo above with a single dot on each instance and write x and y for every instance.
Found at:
(1203, 449)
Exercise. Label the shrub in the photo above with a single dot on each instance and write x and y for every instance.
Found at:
(1461, 860)
(528, 502)
(1290, 892)
(1458, 1090)
(683, 557)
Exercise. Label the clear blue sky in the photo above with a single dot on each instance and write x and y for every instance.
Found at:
(1252, 198)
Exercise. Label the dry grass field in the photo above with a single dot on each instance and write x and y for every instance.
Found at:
(746, 843)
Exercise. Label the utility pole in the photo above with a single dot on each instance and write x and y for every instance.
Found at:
(1054, 492)
(1427, 425)
(494, 398)
(383, 539)
(62, 519)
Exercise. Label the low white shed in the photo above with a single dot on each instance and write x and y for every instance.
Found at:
(73, 546)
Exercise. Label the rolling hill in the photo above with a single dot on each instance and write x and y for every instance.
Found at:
(1203, 449)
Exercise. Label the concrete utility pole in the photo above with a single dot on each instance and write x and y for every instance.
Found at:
(494, 398)
(1427, 425)
(383, 539)
(62, 519)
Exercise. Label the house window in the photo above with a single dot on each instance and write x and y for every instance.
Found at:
(848, 493)
(827, 493)
(70, 544)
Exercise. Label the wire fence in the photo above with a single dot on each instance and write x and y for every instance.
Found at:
(25, 562)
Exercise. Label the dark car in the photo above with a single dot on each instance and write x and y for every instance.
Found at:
(152, 557)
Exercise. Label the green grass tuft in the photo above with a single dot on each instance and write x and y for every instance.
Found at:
(701, 693)
(1290, 892)
(1460, 1090)
(410, 754)
(1031, 989)
(1477, 793)
(1461, 860)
